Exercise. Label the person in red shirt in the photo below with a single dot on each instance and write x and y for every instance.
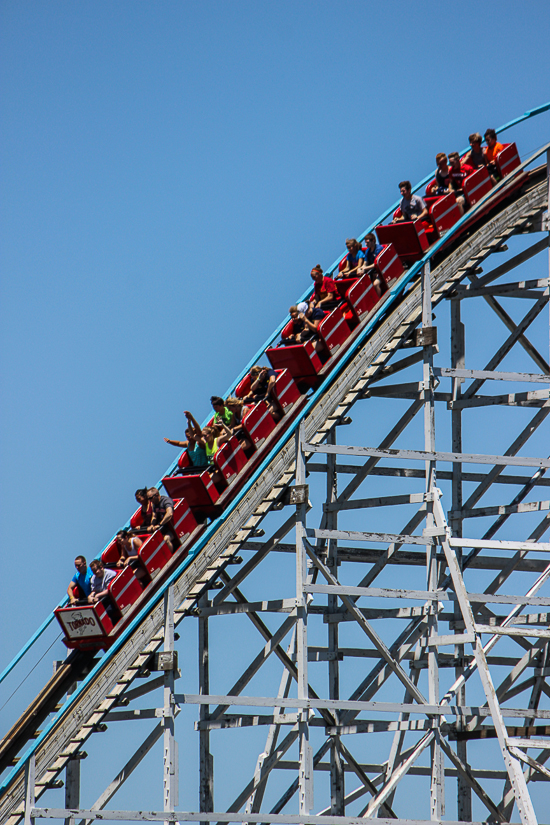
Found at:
(444, 182)
(325, 293)
(491, 151)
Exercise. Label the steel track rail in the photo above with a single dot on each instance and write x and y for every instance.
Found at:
(107, 683)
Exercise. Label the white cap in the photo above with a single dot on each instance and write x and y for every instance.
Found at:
(303, 307)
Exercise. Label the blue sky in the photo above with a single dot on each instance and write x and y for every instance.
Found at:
(171, 171)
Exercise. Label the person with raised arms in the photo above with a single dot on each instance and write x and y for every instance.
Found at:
(195, 451)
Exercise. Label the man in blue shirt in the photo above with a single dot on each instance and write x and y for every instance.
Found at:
(374, 249)
(81, 580)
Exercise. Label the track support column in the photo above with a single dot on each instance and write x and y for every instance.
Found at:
(30, 778)
(170, 766)
(72, 787)
(458, 361)
(72, 771)
(306, 755)
(437, 792)
(548, 222)
(206, 762)
(337, 787)
(72, 779)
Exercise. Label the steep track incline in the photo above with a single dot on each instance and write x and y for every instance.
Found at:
(114, 673)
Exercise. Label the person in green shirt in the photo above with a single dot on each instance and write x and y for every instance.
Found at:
(221, 413)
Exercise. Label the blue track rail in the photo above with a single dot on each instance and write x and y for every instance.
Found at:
(395, 292)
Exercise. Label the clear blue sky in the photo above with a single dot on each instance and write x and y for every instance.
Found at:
(171, 171)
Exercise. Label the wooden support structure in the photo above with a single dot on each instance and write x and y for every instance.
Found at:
(405, 648)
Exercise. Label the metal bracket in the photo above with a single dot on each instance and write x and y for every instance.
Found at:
(166, 660)
(299, 494)
(425, 337)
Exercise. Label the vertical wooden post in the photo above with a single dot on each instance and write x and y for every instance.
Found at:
(170, 762)
(206, 762)
(337, 787)
(548, 224)
(437, 791)
(458, 361)
(306, 755)
(30, 779)
(72, 779)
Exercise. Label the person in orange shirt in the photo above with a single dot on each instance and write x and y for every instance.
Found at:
(492, 150)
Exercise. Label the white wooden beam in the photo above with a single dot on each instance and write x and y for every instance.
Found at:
(425, 455)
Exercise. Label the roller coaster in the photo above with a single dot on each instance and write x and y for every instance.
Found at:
(421, 263)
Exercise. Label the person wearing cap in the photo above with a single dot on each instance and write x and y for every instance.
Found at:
(305, 320)
(297, 325)
(325, 291)
(311, 318)
(354, 261)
